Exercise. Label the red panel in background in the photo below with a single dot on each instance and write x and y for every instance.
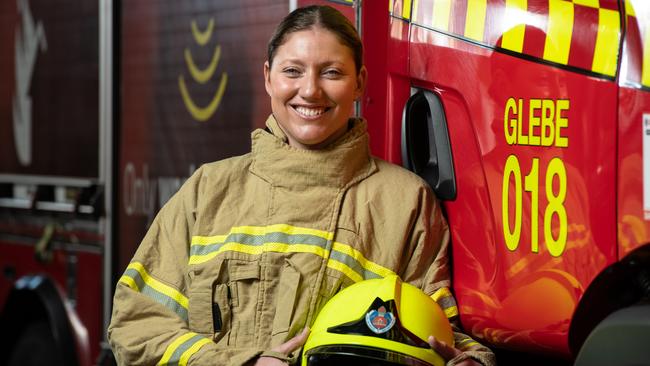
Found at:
(163, 138)
(139, 45)
(89, 298)
(49, 119)
(9, 18)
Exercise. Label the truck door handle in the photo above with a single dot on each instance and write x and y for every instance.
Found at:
(426, 149)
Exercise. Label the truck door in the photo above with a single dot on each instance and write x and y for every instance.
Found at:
(634, 131)
(527, 90)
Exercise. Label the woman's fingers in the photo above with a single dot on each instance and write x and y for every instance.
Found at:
(293, 343)
(445, 351)
(269, 361)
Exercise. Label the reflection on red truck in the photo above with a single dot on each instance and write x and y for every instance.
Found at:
(529, 118)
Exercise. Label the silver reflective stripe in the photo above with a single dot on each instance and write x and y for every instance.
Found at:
(258, 240)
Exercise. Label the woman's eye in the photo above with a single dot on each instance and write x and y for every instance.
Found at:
(332, 73)
(291, 72)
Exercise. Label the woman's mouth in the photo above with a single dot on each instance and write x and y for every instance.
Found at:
(310, 112)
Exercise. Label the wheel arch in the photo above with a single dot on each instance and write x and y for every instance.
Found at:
(622, 284)
(37, 298)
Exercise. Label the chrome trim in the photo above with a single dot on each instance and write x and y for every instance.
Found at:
(15, 203)
(106, 149)
(47, 180)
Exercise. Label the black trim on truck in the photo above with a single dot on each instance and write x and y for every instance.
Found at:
(426, 149)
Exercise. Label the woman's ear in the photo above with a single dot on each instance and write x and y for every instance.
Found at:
(267, 77)
(362, 78)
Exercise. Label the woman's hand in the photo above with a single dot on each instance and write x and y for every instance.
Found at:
(285, 348)
(448, 352)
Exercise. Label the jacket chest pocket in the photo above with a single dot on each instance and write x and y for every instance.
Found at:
(209, 303)
(243, 288)
(243, 285)
(223, 301)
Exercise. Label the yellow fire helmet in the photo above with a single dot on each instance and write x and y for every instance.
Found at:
(377, 322)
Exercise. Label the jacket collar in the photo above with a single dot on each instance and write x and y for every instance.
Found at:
(344, 162)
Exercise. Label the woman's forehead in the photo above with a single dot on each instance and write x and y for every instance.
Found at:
(314, 43)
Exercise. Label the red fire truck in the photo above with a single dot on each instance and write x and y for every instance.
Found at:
(531, 121)
(529, 118)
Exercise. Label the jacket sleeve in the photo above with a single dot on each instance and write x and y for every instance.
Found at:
(428, 268)
(149, 323)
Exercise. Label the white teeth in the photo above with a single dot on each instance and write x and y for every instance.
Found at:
(310, 112)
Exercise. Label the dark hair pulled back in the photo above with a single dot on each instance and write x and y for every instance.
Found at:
(325, 17)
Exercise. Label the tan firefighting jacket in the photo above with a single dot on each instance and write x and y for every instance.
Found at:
(248, 250)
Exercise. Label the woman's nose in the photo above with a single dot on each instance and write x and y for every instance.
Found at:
(310, 87)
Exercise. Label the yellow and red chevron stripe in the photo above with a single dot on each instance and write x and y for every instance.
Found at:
(400, 8)
(636, 68)
(584, 34)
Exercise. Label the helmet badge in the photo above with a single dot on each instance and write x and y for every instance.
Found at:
(379, 320)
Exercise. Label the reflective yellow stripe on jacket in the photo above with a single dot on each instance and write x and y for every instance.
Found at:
(465, 344)
(182, 348)
(445, 299)
(137, 278)
(287, 239)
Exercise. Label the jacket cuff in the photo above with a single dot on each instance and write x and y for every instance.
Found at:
(484, 358)
(213, 356)
(244, 358)
(279, 355)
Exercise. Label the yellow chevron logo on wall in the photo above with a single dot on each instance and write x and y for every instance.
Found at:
(202, 76)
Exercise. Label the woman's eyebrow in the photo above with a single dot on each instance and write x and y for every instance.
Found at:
(299, 61)
(291, 61)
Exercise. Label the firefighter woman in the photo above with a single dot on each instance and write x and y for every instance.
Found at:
(239, 262)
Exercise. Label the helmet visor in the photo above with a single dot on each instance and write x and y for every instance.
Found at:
(358, 355)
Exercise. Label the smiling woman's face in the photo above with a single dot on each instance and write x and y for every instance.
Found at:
(313, 84)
